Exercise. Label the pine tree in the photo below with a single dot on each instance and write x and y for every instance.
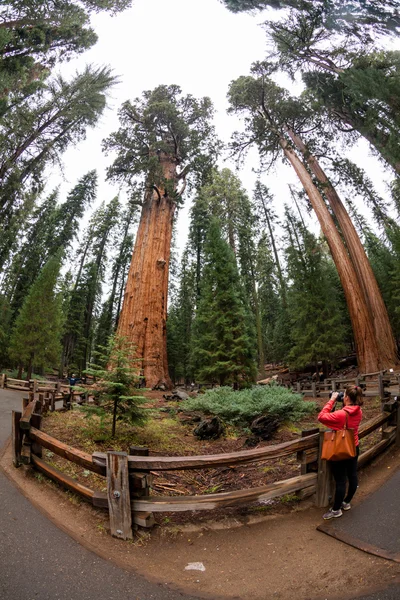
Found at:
(317, 322)
(86, 291)
(35, 340)
(385, 261)
(116, 384)
(180, 323)
(275, 323)
(222, 348)
(52, 227)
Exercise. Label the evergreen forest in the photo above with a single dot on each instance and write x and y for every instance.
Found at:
(301, 279)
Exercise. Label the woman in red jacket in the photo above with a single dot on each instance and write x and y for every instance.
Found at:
(343, 470)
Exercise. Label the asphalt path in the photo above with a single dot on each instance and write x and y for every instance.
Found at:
(38, 561)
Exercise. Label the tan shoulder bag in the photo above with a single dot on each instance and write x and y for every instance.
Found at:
(340, 444)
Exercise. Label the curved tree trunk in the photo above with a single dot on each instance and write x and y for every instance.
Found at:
(364, 334)
(365, 275)
(143, 318)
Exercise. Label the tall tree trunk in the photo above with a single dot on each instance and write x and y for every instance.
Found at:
(365, 275)
(143, 318)
(260, 344)
(363, 330)
(277, 261)
(29, 368)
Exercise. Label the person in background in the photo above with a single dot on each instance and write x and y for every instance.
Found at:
(343, 470)
(73, 380)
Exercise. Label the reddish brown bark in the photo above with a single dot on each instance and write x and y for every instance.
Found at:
(143, 316)
(365, 275)
(364, 334)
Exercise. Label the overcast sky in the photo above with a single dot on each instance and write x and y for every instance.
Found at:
(197, 44)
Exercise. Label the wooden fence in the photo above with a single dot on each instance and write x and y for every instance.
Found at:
(129, 476)
(50, 393)
(382, 384)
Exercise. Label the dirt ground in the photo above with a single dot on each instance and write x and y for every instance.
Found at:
(257, 557)
(169, 433)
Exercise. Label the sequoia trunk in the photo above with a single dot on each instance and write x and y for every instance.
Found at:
(365, 275)
(364, 334)
(143, 318)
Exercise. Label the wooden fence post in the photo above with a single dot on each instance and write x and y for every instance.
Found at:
(3, 381)
(36, 421)
(381, 387)
(314, 389)
(397, 441)
(35, 386)
(325, 478)
(140, 486)
(333, 385)
(119, 502)
(308, 458)
(52, 401)
(16, 438)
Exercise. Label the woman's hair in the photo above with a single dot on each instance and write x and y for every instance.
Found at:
(354, 392)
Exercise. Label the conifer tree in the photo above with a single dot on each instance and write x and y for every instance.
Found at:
(36, 34)
(35, 340)
(222, 348)
(109, 316)
(352, 18)
(273, 117)
(180, 323)
(275, 323)
(317, 322)
(167, 139)
(36, 133)
(52, 227)
(116, 384)
(86, 291)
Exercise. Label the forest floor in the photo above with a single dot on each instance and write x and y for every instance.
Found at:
(167, 432)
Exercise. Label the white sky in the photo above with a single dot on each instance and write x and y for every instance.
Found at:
(196, 44)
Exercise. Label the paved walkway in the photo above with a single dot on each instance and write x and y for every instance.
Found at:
(39, 561)
(373, 525)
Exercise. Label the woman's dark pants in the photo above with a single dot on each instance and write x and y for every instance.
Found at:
(343, 471)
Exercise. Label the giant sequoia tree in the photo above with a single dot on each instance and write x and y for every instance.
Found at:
(164, 138)
(273, 123)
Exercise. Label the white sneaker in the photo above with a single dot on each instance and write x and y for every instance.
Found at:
(346, 506)
(332, 514)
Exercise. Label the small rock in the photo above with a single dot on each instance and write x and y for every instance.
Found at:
(196, 566)
(180, 395)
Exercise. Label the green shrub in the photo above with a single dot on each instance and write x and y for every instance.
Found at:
(240, 408)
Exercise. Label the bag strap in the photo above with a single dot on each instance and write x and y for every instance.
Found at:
(347, 419)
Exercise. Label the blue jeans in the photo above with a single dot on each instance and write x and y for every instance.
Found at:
(343, 471)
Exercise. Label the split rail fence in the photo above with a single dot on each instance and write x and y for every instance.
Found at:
(381, 383)
(50, 392)
(129, 476)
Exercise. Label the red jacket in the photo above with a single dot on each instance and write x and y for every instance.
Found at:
(336, 420)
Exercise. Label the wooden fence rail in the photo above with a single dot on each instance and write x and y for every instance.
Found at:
(380, 384)
(129, 478)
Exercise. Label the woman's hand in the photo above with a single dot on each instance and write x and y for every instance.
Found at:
(334, 396)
